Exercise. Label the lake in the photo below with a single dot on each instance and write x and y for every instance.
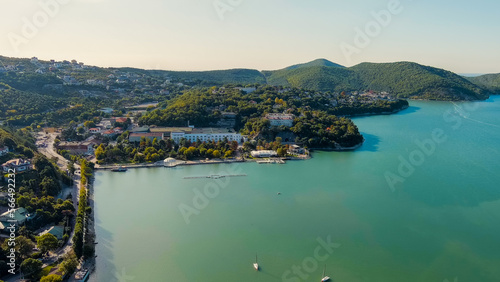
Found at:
(419, 201)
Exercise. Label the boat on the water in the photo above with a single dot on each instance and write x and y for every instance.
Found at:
(256, 265)
(119, 169)
(325, 278)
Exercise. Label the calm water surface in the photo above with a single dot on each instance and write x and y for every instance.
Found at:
(441, 223)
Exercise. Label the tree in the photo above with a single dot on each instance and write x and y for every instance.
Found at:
(69, 264)
(49, 186)
(216, 154)
(228, 154)
(47, 242)
(100, 154)
(23, 201)
(31, 267)
(89, 124)
(281, 152)
(71, 167)
(23, 246)
(51, 278)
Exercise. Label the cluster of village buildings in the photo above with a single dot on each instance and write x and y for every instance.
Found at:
(176, 134)
(117, 81)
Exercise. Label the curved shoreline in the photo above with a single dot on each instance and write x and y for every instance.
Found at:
(376, 114)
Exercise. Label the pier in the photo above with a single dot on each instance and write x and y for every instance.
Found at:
(214, 176)
(271, 161)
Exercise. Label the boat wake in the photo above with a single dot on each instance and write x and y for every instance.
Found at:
(460, 111)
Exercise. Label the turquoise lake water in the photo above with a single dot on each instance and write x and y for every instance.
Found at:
(438, 221)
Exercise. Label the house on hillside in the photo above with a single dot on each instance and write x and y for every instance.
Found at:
(57, 231)
(18, 165)
(95, 130)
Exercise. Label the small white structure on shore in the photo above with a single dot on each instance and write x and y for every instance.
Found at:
(264, 154)
(171, 162)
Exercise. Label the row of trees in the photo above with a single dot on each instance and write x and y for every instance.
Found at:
(79, 237)
(152, 151)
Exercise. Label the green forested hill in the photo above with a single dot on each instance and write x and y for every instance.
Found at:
(408, 79)
(315, 63)
(403, 79)
(321, 78)
(488, 81)
(242, 76)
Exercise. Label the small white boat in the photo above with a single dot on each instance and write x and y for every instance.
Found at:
(325, 278)
(256, 265)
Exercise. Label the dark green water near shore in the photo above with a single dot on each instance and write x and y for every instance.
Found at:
(439, 219)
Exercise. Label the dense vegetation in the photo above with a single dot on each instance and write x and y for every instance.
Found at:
(404, 79)
(219, 77)
(489, 81)
(202, 107)
(153, 151)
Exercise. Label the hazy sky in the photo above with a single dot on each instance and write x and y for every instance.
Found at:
(461, 36)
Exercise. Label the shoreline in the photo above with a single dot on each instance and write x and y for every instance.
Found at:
(377, 114)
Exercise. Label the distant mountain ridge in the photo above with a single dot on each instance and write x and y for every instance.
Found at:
(403, 79)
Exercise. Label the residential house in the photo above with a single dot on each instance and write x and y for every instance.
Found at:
(18, 165)
(121, 120)
(109, 133)
(57, 231)
(95, 130)
(17, 216)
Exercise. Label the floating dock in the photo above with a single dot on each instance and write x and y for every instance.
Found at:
(271, 161)
(214, 176)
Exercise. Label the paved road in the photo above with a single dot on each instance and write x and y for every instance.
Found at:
(49, 152)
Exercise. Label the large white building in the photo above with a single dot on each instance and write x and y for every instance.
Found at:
(280, 119)
(206, 135)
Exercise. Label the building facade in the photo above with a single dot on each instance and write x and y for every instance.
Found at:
(77, 148)
(207, 135)
(18, 165)
(136, 137)
(280, 119)
(264, 154)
